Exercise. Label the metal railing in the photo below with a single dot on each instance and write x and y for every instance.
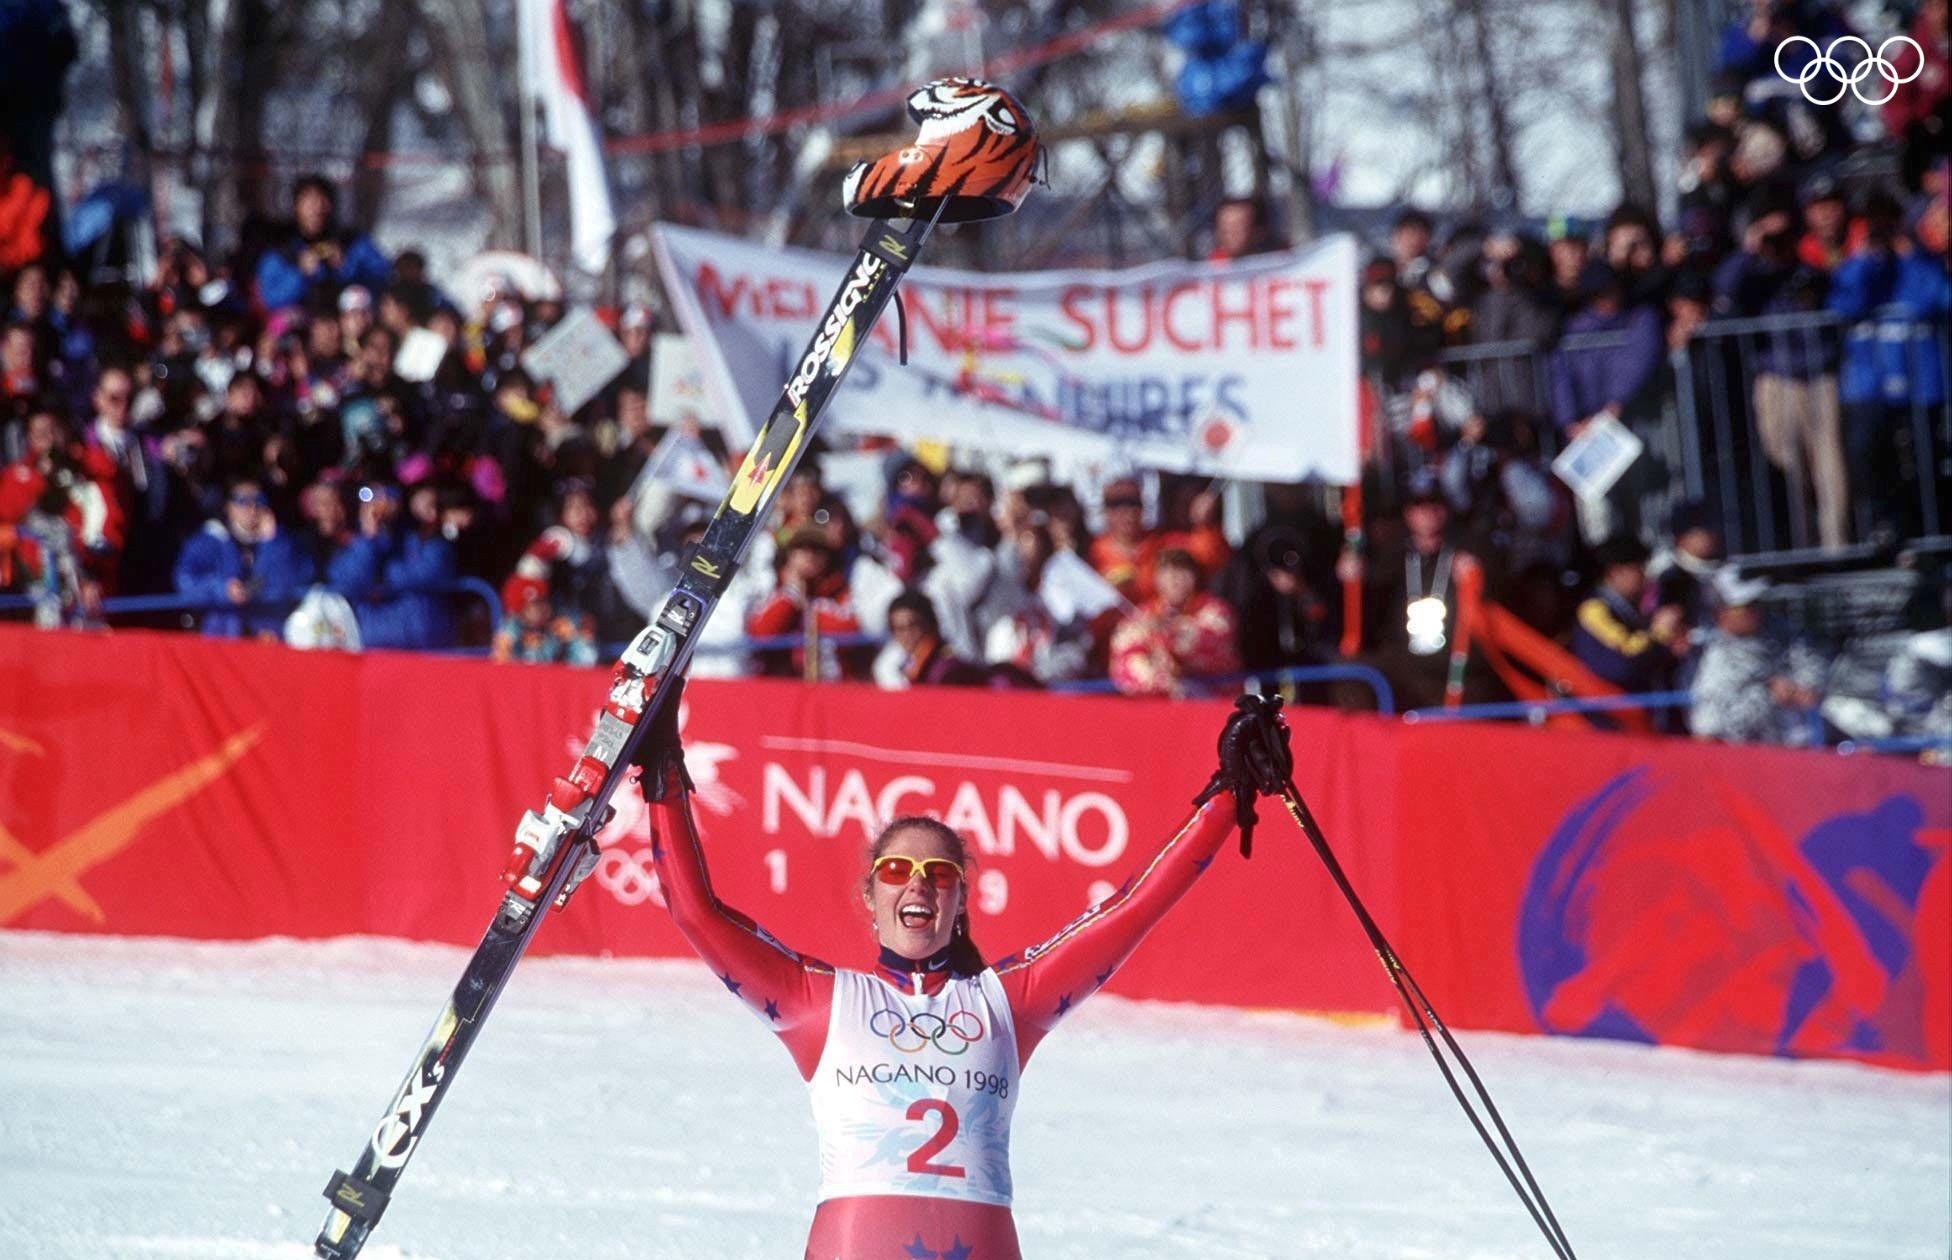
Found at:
(1267, 679)
(1755, 418)
(143, 605)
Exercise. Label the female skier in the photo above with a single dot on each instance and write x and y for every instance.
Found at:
(913, 1066)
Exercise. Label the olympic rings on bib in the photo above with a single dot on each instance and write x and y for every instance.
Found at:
(1823, 61)
(928, 1029)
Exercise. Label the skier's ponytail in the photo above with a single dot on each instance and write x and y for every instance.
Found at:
(965, 958)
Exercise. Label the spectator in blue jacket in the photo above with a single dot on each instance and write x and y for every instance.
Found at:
(245, 566)
(318, 259)
(392, 572)
(1894, 299)
(1612, 637)
(1796, 409)
(1609, 356)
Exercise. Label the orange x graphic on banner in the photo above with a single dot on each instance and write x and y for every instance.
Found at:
(56, 872)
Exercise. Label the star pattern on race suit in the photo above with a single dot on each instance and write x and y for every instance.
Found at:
(772, 1010)
(958, 1252)
(919, 1250)
(1063, 1004)
(731, 984)
(1104, 976)
(1200, 864)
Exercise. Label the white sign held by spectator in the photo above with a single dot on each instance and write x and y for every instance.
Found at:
(421, 352)
(686, 466)
(1073, 591)
(678, 390)
(578, 357)
(1598, 457)
(1242, 369)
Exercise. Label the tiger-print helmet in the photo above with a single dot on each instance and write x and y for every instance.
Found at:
(977, 151)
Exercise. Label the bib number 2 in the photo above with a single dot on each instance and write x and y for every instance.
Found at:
(919, 1160)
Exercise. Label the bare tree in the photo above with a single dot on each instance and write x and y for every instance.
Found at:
(1635, 149)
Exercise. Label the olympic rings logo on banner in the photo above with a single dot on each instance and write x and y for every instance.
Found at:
(928, 1030)
(1848, 78)
(630, 877)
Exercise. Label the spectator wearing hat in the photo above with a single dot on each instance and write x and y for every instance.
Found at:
(1825, 224)
(355, 317)
(811, 602)
(1893, 300)
(392, 572)
(1611, 636)
(1281, 584)
(1631, 241)
(317, 258)
(1127, 553)
(1516, 304)
(1411, 600)
(1753, 686)
(1797, 414)
(532, 633)
(247, 570)
(635, 329)
(1684, 569)
(567, 560)
(1567, 249)
(1176, 639)
(916, 655)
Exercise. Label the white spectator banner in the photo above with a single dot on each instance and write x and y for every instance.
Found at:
(1243, 369)
(578, 357)
(686, 466)
(421, 352)
(678, 390)
(1598, 457)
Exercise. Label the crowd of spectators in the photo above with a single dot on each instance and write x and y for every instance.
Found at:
(243, 432)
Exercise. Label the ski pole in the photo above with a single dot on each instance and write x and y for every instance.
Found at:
(1419, 1006)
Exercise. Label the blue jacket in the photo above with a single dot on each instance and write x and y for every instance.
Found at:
(1895, 305)
(387, 580)
(1750, 285)
(278, 569)
(1585, 380)
(281, 283)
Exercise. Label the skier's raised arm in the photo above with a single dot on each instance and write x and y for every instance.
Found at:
(1047, 980)
(791, 992)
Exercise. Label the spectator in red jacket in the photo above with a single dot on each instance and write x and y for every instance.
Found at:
(1176, 639)
(1127, 552)
(63, 496)
(811, 599)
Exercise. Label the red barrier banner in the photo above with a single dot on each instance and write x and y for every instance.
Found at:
(1735, 899)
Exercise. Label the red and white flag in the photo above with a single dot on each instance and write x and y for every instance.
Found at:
(555, 80)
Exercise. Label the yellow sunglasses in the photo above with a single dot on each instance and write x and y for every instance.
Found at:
(897, 869)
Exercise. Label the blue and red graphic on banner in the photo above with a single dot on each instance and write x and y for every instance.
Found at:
(1735, 899)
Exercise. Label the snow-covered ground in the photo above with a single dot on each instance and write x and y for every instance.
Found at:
(168, 1099)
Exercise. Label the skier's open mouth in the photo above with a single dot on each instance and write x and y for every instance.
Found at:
(917, 917)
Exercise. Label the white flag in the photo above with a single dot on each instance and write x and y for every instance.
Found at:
(686, 466)
(556, 80)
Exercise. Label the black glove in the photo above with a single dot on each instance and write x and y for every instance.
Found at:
(660, 749)
(1254, 761)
